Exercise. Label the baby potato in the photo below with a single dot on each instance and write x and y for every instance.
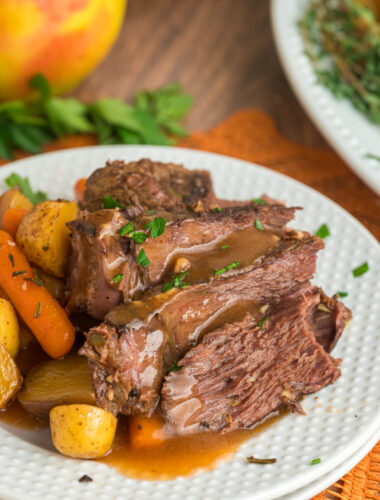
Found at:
(9, 329)
(44, 237)
(10, 378)
(82, 431)
(13, 198)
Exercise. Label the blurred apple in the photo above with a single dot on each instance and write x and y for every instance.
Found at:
(63, 39)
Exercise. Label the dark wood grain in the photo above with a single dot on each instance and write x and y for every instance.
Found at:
(222, 51)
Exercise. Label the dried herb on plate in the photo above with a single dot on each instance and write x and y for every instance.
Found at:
(154, 118)
(342, 40)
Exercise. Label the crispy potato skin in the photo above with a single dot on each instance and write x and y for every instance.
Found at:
(13, 198)
(55, 383)
(9, 328)
(44, 237)
(82, 431)
(10, 378)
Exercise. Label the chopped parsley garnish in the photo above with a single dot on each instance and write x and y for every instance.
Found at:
(218, 210)
(323, 231)
(260, 324)
(372, 156)
(358, 271)
(15, 180)
(315, 461)
(224, 247)
(259, 201)
(18, 273)
(177, 282)
(138, 236)
(109, 202)
(262, 461)
(10, 256)
(342, 294)
(174, 368)
(37, 312)
(142, 259)
(258, 225)
(128, 228)
(150, 212)
(118, 277)
(227, 268)
(36, 281)
(156, 226)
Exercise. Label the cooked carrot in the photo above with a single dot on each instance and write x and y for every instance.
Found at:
(79, 189)
(145, 432)
(40, 311)
(12, 219)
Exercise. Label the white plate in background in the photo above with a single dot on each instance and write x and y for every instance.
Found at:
(337, 425)
(347, 130)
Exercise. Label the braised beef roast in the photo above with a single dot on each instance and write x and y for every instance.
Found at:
(245, 372)
(99, 252)
(147, 185)
(130, 353)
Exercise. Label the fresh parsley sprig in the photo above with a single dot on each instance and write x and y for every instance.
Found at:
(154, 118)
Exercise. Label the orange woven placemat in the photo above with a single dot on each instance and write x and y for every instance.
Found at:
(251, 135)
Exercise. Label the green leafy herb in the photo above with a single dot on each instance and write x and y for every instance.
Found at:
(154, 118)
(142, 259)
(342, 41)
(156, 226)
(15, 180)
(259, 201)
(224, 247)
(176, 282)
(37, 312)
(138, 236)
(373, 157)
(10, 257)
(261, 461)
(323, 231)
(36, 281)
(315, 461)
(260, 324)
(226, 268)
(128, 228)
(118, 277)
(18, 273)
(174, 368)
(218, 210)
(109, 202)
(258, 225)
(342, 294)
(362, 269)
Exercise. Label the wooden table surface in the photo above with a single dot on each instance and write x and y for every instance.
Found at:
(222, 51)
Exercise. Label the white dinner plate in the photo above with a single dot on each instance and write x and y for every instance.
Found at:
(338, 423)
(345, 128)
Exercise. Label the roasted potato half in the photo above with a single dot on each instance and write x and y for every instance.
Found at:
(9, 329)
(57, 382)
(10, 378)
(44, 236)
(82, 431)
(13, 198)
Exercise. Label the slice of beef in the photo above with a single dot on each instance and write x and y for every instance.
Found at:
(147, 185)
(131, 352)
(244, 372)
(328, 320)
(100, 253)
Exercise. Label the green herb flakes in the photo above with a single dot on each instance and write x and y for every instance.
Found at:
(37, 312)
(142, 259)
(10, 257)
(128, 228)
(371, 156)
(227, 268)
(174, 368)
(362, 269)
(315, 461)
(156, 226)
(258, 225)
(259, 201)
(261, 323)
(176, 282)
(15, 180)
(342, 294)
(224, 247)
(118, 277)
(109, 202)
(18, 273)
(323, 232)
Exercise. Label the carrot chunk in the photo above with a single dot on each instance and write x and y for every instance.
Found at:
(40, 311)
(12, 219)
(145, 432)
(79, 189)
